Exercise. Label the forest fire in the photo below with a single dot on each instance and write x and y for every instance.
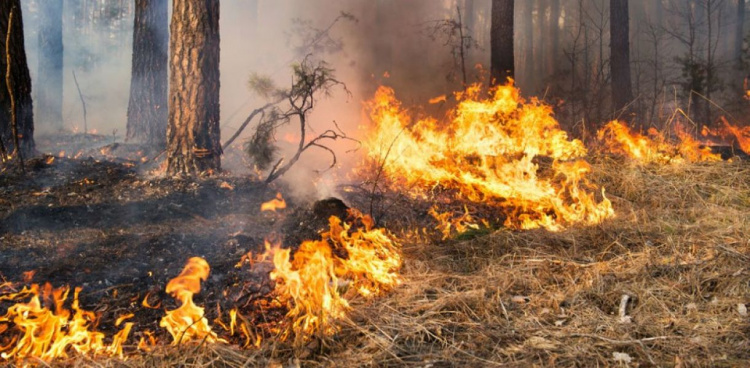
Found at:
(502, 150)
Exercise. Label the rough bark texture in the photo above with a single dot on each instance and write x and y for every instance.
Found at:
(49, 79)
(622, 93)
(740, 33)
(20, 81)
(193, 134)
(501, 53)
(147, 109)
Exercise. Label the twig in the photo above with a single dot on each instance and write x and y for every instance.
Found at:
(624, 342)
(247, 121)
(83, 102)
(13, 117)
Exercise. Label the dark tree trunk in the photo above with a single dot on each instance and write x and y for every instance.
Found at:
(193, 134)
(49, 80)
(20, 82)
(622, 93)
(147, 109)
(501, 35)
(554, 37)
(739, 32)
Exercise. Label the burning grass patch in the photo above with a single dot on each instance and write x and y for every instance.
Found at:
(677, 254)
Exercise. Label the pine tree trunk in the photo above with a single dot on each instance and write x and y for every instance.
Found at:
(20, 82)
(554, 37)
(193, 132)
(622, 93)
(49, 80)
(739, 32)
(529, 62)
(501, 36)
(147, 108)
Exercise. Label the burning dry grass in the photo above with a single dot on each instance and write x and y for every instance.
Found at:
(661, 284)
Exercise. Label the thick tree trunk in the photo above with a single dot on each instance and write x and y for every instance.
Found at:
(622, 93)
(49, 80)
(501, 35)
(193, 134)
(20, 82)
(147, 109)
(739, 32)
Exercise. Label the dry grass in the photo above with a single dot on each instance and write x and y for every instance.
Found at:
(678, 249)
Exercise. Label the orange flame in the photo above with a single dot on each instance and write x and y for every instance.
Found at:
(488, 151)
(618, 138)
(314, 281)
(187, 322)
(48, 334)
(274, 204)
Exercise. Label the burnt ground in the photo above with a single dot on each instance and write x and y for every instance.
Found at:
(103, 226)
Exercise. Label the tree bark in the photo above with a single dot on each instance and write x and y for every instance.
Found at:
(622, 93)
(49, 80)
(20, 82)
(554, 37)
(527, 66)
(739, 32)
(501, 40)
(147, 108)
(193, 132)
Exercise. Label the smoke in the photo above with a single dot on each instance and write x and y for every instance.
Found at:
(377, 42)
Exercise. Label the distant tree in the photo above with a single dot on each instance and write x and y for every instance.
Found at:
(193, 131)
(501, 40)
(147, 109)
(49, 80)
(739, 32)
(622, 92)
(17, 104)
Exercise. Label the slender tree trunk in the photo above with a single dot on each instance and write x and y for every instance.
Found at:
(501, 35)
(554, 37)
(147, 109)
(739, 32)
(193, 132)
(619, 61)
(20, 82)
(529, 62)
(49, 80)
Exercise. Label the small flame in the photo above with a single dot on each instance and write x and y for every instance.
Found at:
(49, 334)
(274, 204)
(187, 322)
(616, 137)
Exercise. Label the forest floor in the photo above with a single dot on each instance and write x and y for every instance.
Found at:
(676, 258)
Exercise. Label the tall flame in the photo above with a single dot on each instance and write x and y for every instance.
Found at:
(489, 150)
(187, 322)
(47, 334)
